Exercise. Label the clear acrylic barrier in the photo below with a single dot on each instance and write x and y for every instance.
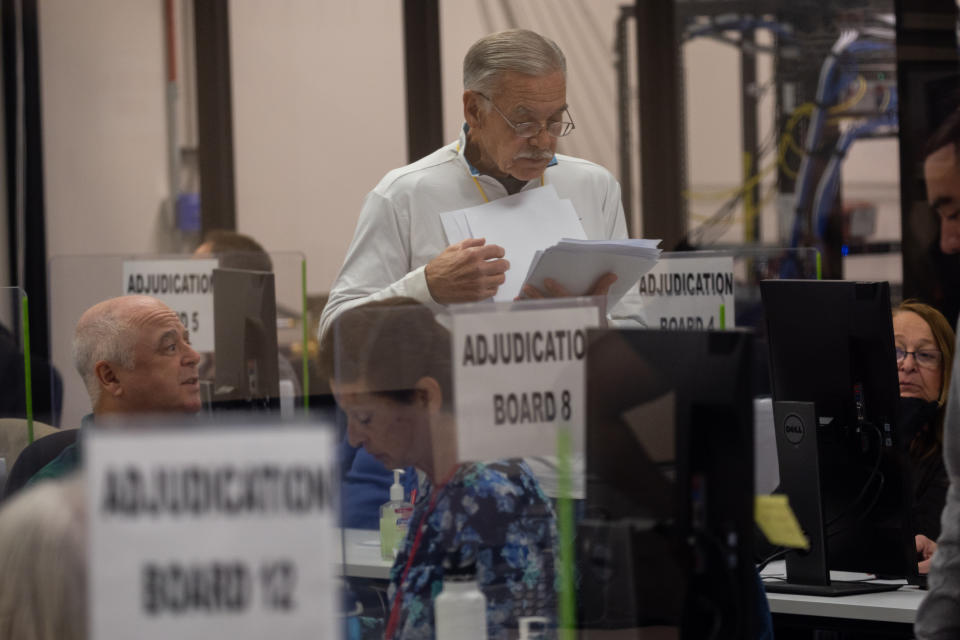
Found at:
(186, 283)
(17, 428)
(664, 543)
(699, 296)
(13, 391)
(750, 265)
(391, 370)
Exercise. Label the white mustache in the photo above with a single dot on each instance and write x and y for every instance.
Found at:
(534, 155)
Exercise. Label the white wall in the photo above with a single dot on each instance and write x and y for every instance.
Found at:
(319, 117)
(102, 92)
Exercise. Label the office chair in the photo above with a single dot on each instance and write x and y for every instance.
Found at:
(36, 456)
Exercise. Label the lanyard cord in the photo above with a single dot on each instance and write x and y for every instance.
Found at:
(421, 527)
(479, 188)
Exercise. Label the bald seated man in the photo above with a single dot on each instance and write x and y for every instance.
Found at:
(134, 356)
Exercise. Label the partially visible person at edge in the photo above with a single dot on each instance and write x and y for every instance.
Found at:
(134, 356)
(43, 563)
(234, 250)
(515, 110)
(390, 371)
(938, 617)
(938, 270)
(924, 346)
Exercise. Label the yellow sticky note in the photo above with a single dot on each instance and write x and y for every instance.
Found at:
(775, 518)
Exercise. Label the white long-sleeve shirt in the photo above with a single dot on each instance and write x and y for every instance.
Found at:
(399, 230)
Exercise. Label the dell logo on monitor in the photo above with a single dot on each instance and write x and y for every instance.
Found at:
(793, 428)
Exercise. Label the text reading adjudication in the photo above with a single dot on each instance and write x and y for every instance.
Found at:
(687, 284)
(217, 490)
(518, 347)
(157, 284)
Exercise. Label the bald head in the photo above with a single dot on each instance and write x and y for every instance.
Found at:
(134, 356)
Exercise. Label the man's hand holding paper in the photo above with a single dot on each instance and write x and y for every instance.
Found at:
(522, 224)
(543, 238)
(468, 271)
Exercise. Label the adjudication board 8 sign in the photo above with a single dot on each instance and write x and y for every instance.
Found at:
(518, 377)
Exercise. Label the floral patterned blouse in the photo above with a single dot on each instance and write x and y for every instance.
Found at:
(494, 516)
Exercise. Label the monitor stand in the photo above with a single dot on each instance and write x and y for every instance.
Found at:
(830, 589)
(799, 455)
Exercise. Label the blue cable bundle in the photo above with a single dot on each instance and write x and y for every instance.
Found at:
(846, 46)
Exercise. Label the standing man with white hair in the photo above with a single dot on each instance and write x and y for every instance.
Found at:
(134, 356)
(515, 108)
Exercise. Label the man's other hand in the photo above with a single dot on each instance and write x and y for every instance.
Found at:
(553, 289)
(925, 549)
(468, 271)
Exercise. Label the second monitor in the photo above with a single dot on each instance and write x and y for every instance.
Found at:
(843, 464)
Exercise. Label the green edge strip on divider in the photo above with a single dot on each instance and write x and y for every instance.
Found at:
(819, 267)
(27, 376)
(723, 316)
(568, 610)
(306, 331)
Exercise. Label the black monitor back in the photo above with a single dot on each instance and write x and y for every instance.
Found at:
(666, 538)
(245, 338)
(842, 463)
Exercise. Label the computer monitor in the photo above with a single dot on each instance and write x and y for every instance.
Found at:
(666, 538)
(843, 465)
(246, 374)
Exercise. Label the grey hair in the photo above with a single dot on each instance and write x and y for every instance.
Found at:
(102, 334)
(43, 562)
(519, 50)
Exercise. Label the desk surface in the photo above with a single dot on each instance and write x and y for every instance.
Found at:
(362, 560)
(361, 550)
(885, 606)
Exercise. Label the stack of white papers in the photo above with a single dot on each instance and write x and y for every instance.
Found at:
(577, 264)
(526, 222)
(522, 224)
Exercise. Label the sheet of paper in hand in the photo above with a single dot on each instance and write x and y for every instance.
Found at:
(522, 224)
(577, 264)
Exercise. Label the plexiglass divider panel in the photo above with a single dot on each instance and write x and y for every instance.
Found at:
(263, 314)
(17, 426)
(482, 407)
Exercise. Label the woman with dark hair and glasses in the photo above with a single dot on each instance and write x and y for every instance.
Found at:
(924, 347)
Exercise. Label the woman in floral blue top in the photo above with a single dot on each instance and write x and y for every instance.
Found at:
(389, 366)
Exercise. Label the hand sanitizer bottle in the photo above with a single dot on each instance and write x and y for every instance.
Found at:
(394, 519)
(460, 610)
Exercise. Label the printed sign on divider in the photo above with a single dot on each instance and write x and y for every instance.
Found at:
(211, 533)
(688, 291)
(186, 286)
(518, 375)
